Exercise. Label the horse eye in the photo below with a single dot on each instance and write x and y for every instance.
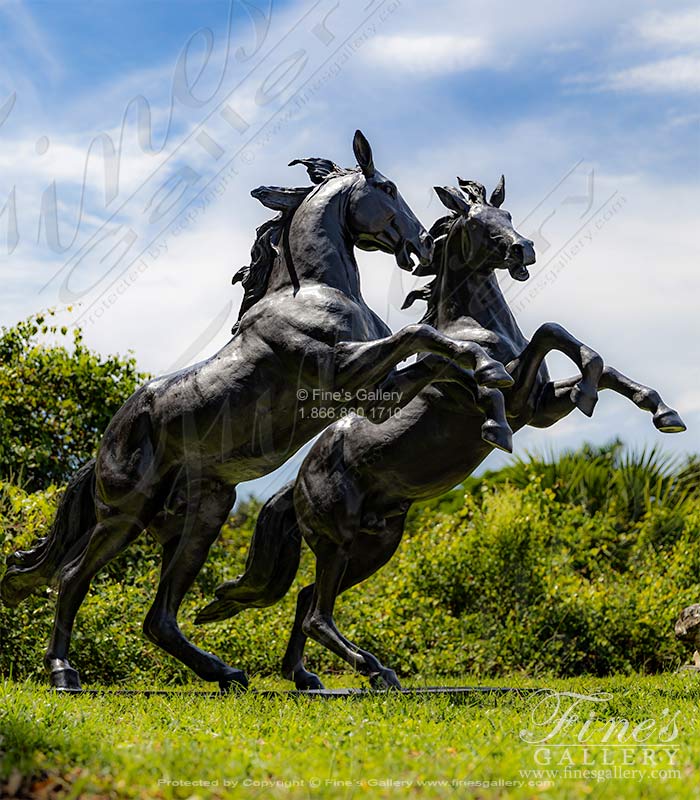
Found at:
(389, 188)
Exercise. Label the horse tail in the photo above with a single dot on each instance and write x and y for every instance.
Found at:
(70, 533)
(271, 566)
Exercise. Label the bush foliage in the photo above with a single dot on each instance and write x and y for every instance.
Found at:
(541, 567)
(55, 400)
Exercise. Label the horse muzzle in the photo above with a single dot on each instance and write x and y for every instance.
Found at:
(520, 256)
(422, 248)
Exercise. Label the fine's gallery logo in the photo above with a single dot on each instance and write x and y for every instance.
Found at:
(580, 736)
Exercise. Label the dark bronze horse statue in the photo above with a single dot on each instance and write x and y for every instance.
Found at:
(171, 457)
(359, 480)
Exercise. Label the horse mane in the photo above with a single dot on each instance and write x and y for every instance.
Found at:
(271, 235)
(255, 276)
(430, 293)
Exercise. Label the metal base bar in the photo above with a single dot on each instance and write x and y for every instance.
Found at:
(454, 692)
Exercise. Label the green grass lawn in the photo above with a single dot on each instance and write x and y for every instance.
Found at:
(641, 738)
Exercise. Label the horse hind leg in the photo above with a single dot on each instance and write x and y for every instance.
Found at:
(337, 571)
(187, 537)
(293, 667)
(110, 536)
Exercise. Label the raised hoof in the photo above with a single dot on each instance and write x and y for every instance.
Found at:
(308, 682)
(494, 376)
(669, 421)
(384, 679)
(584, 399)
(498, 436)
(235, 681)
(65, 679)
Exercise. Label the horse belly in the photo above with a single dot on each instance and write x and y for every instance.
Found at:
(427, 453)
(213, 418)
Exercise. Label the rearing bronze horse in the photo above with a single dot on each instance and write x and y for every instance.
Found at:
(357, 483)
(172, 456)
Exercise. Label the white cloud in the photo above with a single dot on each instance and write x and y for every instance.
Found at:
(664, 28)
(428, 55)
(495, 34)
(678, 74)
(665, 46)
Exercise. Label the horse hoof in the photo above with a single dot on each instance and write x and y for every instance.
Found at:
(494, 376)
(384, 679)
(235, 681)
(308, 682)
(669, 421)
(498, 436)
(65, 679)
(584, 399)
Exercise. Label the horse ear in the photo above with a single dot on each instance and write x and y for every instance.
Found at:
(318, 168)
(363, 154)
(498, 195)
(452, 199)
(474, 190)
(279, 198)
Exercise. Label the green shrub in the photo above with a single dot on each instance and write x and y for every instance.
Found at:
(507, 575)
(55, 400)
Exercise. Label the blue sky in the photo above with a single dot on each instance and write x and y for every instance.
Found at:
(590, 109)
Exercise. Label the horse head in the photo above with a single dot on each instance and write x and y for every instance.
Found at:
(377, 217)
(371, 215)
(489, 240)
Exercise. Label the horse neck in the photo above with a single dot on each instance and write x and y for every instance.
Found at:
(471, 294)
(319, 242)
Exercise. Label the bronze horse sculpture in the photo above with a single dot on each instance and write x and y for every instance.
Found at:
(171, 457)
(356, 485)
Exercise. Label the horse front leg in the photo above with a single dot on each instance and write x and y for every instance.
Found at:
(665, 418)
(495, 429)
(407, 382)
(555, 401)
(525, 368)
(362, 364)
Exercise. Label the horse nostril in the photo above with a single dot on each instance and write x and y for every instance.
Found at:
(427, 241)
(524, 251)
